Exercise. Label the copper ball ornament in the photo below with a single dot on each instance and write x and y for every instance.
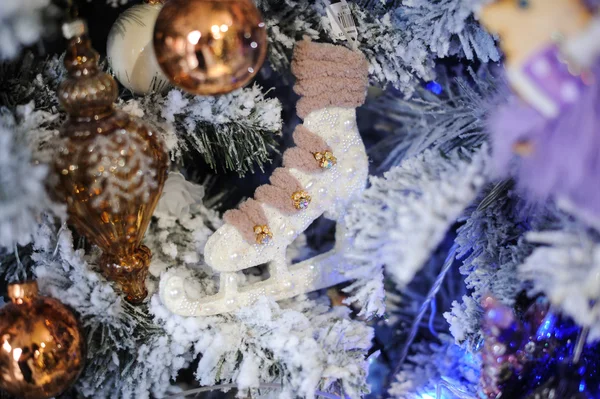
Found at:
(210, 47)
(42, 348)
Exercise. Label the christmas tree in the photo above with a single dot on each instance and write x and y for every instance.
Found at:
(189, 178)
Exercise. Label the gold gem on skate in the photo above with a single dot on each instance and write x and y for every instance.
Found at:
(301, 199)
(326, 159)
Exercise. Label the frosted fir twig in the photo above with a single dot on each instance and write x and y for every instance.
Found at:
(288, 21)
(564, 266)
(491, 245)
(436, 365)
(233, 132)
(448, 27)
(400, 41)
(303, 344)
(28, 93)
(31, 79)
(402, 217)
(224, 387)
(394, 59)
(453, 118)
(23, 22)
(23, 196)
(124, 345)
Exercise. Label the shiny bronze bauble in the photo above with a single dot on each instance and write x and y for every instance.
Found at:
(111, 167)
(42, 348)
(210, 47)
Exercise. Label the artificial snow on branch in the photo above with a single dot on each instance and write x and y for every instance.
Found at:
(491, 244)
(448, 27)
(122, 338)
(452, 116)
(393, 58)
(288, 21)
(436, 370)
(21, 24)
(400, 41)
(565, 268)
(304, 345)
(233, 132)
(32, 80)
(23, 196)
(402, 217)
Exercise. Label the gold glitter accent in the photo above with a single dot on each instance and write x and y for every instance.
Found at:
(326, 159)
(263, 234)
(301, 199)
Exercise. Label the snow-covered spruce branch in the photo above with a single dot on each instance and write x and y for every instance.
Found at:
(453, 118)
(303, 344)
(402, 217)
(231, 132)
(399, 40)
(443, 367)
(288, 21)
(447, 27)
(393, 58)
(491, 244)
(234, 132)
(22, 23)
(565, 267)
(28, 95)
(32, 80)
(23, 196)
(123, 342)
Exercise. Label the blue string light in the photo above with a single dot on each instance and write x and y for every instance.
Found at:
(434, 87)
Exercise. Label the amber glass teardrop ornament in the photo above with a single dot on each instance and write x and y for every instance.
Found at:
(111, 167)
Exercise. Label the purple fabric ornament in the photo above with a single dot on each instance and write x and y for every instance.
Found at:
(552, 156)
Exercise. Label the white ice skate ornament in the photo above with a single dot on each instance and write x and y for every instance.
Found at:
(321, 175)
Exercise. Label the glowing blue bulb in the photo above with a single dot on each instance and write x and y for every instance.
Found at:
(434, 87)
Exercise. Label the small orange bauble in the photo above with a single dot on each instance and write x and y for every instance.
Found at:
(42, 348)
(210, 47)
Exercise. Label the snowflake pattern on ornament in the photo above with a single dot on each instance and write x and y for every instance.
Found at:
(122, 169)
